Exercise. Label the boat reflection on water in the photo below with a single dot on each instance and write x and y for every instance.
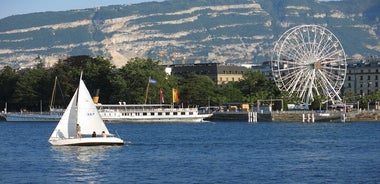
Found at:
(82, 163)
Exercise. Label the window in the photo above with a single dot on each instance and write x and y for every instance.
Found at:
(349, 85)
(183, 113)
(368, 77)
(361, 77)
(349, 78)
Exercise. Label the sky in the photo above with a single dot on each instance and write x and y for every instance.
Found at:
(16, 7)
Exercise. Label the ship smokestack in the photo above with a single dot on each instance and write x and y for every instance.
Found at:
(96, 97)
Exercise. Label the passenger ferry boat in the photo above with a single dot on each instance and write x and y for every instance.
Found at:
(149, 113)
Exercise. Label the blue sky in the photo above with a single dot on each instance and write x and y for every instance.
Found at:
(15, 7)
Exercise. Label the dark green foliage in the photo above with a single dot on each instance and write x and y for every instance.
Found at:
(196, 90)
(8, 79)
(26, 89)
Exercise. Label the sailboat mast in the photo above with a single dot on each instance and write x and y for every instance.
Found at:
(78, 93)
(53, 93)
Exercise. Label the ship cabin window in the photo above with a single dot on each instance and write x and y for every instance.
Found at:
(175, 113)
(152, 113)
(167, 113)
(183, 113)
(191, 113)
(160, 113)
(144, 114)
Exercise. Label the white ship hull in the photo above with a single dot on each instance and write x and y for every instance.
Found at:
(89, 141)
(149, 113)
(123, 113)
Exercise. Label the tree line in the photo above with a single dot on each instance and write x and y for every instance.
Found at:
(29, 88)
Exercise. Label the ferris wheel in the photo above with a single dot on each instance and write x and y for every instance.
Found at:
(309, 61)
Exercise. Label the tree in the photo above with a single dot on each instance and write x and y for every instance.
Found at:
(8, 79)
(229, 93)
(196, 90)
(136, 74)
(32, 88)
(255, 86)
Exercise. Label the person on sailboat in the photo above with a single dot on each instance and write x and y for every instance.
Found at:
(79, 135)
(104, 134)
(94, 134)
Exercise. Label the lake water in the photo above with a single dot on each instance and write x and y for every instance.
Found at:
(221, 152)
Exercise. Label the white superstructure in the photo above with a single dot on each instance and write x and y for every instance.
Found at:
(149, 113)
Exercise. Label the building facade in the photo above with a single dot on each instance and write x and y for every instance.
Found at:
(218, 72)
(362, 77)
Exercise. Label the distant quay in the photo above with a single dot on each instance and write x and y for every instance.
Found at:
(301, 116)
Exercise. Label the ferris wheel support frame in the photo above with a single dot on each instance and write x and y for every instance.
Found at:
(309, 61)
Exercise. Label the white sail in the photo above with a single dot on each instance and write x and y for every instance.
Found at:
(82, 110)
(66, 127)
(88, 116)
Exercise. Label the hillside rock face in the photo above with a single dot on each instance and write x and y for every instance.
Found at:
(177, 31)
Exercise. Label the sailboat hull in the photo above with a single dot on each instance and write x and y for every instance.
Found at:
(91, 141)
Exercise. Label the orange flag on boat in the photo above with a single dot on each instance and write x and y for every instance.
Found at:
(175, 95)
(162, 96)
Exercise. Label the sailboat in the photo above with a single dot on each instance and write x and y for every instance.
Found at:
(53, 115)
(82, 112)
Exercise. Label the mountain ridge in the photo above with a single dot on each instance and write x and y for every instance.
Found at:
(176, 31)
